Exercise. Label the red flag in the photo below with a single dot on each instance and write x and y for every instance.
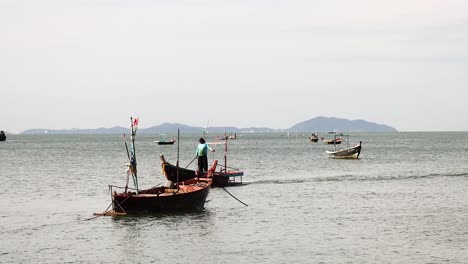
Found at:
(135, 121)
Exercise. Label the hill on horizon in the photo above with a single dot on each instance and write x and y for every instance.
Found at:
(326, 124)
(317, 124)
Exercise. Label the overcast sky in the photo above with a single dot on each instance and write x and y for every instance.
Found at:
(95, 63)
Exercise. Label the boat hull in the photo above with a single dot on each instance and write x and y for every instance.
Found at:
(170, 171)
(222, 179)
(349, 153)
(190, 197)
(333, 142)
(166, 143)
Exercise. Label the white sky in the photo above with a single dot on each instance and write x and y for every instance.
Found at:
(95, 63)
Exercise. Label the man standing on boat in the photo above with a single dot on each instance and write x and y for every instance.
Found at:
(202, 155)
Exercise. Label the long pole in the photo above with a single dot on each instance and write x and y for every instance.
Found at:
(129, 160)
(177, 164)
(334, 141)
(225, 154)
(191, 162)
(133, 161)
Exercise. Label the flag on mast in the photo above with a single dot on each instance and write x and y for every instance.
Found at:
(135, 121)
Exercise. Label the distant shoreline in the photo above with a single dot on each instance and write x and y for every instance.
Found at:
(317, 124)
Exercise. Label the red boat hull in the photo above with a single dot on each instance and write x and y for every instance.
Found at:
(190, 196)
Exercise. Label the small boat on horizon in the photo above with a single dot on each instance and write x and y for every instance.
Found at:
(314, 137)
(162, 140)
(337, 139)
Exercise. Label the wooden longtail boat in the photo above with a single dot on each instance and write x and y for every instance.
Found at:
(170, 142)
(221, 178)
(162, 140)
(185, 195)
(348, 153)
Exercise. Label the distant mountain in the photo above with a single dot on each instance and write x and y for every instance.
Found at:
(164, 128)
(112, 130)
(318, 124)
(170, 128)
(325, 124)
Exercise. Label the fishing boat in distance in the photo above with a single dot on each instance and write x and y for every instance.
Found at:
(226, 176)
(337, 139)
(185, 195)
(352, 152)
(162, 140)
(313, 137)
(2, 136)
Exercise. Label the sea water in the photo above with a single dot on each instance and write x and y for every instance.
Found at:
(404, 201)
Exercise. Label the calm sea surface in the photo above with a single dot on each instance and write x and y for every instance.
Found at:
(404, 201)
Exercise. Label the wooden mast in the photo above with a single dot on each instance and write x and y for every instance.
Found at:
(177, 164)
(225, 152)
(133, 162)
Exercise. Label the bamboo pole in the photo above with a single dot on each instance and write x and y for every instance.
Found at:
(177, 164)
